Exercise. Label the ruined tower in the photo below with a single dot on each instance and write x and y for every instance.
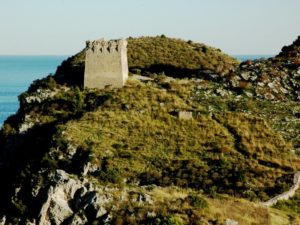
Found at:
(106, 63)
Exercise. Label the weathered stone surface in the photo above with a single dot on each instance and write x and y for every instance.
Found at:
(185, 115)
(59, 209)
(86, 168)
(245, 75)
(30, 222)
(144, 198)
(221, 92)
(231, 222)
(56, 208)
(27, 124)
(142, 78)
(40, 95)
(106, 64)
(67, 196)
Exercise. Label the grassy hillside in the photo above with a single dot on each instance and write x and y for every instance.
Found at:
(136, 135)
(133, 137)
(231, 151)
(176, 56)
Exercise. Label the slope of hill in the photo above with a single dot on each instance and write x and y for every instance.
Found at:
(178, 149)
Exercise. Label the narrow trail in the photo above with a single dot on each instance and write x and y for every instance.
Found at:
(285, 195)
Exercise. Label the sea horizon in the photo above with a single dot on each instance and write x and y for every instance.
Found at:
(17, 72)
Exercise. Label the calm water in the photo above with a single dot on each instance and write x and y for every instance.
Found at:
(251, 57)
(17, 72)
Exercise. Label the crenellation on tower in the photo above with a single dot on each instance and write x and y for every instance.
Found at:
(102, 46)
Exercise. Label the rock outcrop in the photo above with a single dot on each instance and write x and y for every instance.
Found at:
(276, 78)
(67, 199)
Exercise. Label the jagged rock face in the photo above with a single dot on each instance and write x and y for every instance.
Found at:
(40, 96)
(67, 200)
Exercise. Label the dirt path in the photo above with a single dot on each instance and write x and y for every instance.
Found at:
(285, 195)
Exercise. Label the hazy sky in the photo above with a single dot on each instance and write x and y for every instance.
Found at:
(62, 26)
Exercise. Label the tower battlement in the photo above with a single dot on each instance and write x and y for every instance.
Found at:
(102, 46)
(106, 63)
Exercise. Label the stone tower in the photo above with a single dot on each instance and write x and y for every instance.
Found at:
(106, 63)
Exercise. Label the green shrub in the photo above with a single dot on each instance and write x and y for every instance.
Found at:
(45, 83)
(291, 205)
(109, 176)
(167, 220)
(197, 201)
(49, 162)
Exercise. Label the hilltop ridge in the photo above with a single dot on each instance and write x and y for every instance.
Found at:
(160, 54)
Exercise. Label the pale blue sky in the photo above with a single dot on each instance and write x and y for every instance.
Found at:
(62, 26)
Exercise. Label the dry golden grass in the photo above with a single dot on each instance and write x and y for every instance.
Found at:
(246, 213)
(136, 136)
(278, 217)
(173, 201)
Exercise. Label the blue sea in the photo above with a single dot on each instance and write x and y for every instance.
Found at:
(17, 72)
(251, 57)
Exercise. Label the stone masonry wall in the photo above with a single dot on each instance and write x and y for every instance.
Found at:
(106, 64)
(286, 195)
